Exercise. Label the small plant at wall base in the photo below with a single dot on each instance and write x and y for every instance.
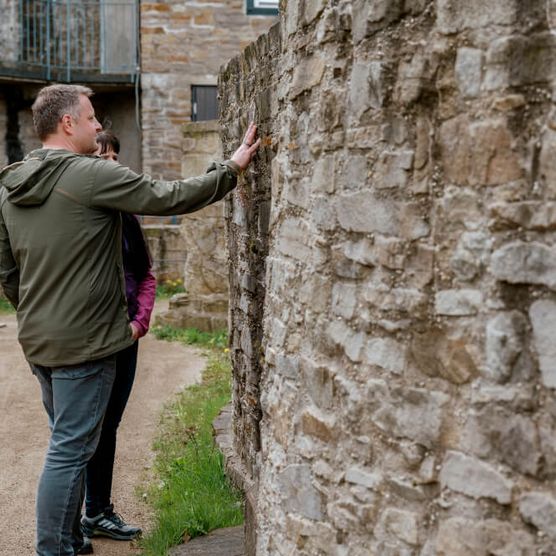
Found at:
(168, 288)
(190, 493)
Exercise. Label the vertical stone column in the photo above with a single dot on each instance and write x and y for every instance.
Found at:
(202, 241)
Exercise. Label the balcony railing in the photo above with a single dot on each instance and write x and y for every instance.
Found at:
(79, 40)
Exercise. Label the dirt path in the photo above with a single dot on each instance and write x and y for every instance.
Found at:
(164, 368)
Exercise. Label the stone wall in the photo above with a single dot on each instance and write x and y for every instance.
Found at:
(393, 312)
(167, 251)
(184, 44)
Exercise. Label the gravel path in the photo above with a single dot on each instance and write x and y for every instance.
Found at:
(164, 369)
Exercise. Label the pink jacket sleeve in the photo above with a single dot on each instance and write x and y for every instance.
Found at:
(146, 292)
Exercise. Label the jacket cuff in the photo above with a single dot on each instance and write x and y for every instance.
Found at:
(233, 166)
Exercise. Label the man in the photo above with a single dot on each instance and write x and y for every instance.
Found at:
(61, 268)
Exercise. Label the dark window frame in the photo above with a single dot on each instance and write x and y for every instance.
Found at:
(252, 10)
(195, 103)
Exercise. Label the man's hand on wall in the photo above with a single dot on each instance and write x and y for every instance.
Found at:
(243, 156)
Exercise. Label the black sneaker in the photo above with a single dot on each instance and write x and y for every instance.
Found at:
(109, 524)
(86, 547)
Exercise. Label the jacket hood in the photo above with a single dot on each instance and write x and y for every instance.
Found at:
(30, 182)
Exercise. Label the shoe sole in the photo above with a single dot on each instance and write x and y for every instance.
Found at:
(110, 534)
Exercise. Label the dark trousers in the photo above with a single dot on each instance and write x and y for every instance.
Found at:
(101, 466)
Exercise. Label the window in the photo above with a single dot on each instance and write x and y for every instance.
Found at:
(204, 103)
(262, 7)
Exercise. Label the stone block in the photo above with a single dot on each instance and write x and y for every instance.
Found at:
(344, 300)
(469, 62)
(458, 303)
(543, 318)
(499, 434)
(367, 88)
(530, 215)
(402, 524)
(458, 536)
(474, 478)
(386, 354)
(478, 153)
(364, 477)
(539, 509)
(307, 74)
(520, 262)
(547, 162)
(320, 425)
(318, 381)
(505, 342)
(436, 354)
(299, 496)
(353, 343)
(412, 413)
(454, 16)
(392, 170)
(471, 255)
(370, 16)
(362, 212)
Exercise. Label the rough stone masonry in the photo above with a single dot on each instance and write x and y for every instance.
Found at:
(393, 278)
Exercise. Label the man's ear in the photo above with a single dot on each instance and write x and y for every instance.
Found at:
(67, 124)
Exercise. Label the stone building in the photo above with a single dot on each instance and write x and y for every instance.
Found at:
(393, 280)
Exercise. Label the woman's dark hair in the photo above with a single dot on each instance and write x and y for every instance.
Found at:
(137, 257)
(107, 140)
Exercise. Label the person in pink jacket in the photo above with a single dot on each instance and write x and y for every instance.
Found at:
(100, 519)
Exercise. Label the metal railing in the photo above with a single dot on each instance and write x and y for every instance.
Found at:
(68, 37)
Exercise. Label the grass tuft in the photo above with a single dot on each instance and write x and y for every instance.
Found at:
(192, 336)
(190, 494)
(6, 306)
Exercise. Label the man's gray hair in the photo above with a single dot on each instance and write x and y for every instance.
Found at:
(52, 103)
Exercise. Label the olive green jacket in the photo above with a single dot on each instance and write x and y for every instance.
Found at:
(60, 246)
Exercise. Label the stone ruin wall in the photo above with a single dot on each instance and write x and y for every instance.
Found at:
(393, 272)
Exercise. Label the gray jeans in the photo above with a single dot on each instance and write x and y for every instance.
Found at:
(75, 398)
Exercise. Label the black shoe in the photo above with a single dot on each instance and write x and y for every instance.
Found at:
(109, 524)
(86, 547)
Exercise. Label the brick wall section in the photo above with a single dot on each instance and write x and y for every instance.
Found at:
(184, 44)
(403, 360)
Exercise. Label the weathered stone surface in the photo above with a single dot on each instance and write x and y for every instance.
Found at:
(519, 262)
(474, 478)
(463, 537)
(531, 215)
(469, 63)
(458, 303)
(478, 153)
(543, 319)
(454, 16)
(307, 75)
(398, 357)
(438, 355)
(505, 342)
(539, 509)
(386, 353)
(299, 495)
(471, 255)
(402, 524)
(408, 412)
(497, 433)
